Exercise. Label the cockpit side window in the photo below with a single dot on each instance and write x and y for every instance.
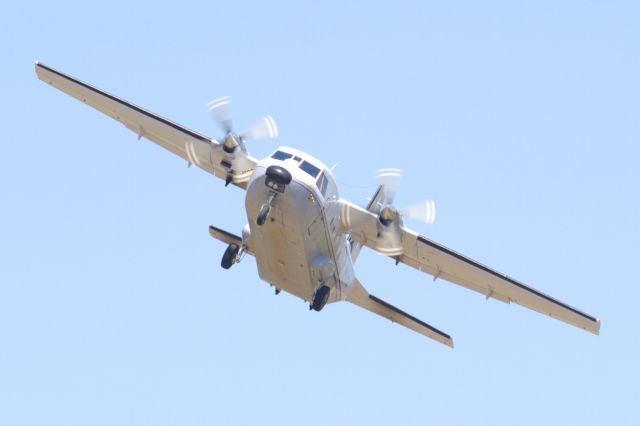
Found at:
(281, 155)
(322, 184)
(310, 168)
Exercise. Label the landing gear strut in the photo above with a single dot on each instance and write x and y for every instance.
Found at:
(265, 209)
(320, 298)
(229, 256)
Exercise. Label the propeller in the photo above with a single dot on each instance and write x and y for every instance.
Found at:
(235, 161)
(389, 237)
(389, 179)
(424, 211)
(219, 108)
(265, 128)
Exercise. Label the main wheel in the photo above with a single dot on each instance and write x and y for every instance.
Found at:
(320, 298)
(262, 216)
(229, 256)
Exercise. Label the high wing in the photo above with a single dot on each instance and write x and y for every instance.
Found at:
(204, 152)
(433, 258)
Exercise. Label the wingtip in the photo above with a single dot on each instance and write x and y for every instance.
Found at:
(39, 66)
(445, 340)
(593, 328)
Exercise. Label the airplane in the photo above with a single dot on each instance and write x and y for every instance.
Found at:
(304, 237)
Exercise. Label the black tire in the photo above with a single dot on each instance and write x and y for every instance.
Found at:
(320, 298)
(229, 255)
(262, 216)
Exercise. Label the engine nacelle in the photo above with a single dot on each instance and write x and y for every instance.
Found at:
(389, 238)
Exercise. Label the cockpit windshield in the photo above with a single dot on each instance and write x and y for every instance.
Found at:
(310, 168)
(281, 155)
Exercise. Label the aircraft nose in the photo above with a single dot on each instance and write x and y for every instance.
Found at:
(277, 178)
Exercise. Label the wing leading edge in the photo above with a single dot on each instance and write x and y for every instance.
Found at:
(439, 261)
(204, 152)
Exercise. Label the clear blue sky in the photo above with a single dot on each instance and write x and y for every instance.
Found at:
(521, 121)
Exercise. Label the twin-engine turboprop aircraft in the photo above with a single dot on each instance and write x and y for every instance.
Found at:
(304, 237)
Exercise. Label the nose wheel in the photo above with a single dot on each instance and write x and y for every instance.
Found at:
(264, 214)
(265, 209)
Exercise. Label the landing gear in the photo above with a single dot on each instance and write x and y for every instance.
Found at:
(230, 255)
(237, 247)
(265, 209)
(320, 298)
(264, 213)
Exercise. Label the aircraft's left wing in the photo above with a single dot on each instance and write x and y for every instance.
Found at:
(441, 262)
(204, 152)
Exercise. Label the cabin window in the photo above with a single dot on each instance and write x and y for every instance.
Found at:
(281, 155)
(322, 184)
(310, 168)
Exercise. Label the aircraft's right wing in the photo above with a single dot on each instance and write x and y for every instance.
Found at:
(204, 152)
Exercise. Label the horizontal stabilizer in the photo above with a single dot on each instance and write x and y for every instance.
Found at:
(360, 297)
